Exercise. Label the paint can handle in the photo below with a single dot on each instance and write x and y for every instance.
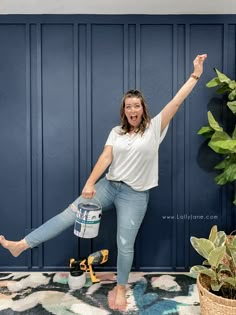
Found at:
(97, 201)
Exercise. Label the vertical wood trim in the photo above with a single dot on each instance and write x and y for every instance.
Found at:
(126, 57)
(76, 143)
(82, 103)
(186, 148)
(174, 147)
(33, 131)
(28, 219)
(82, 112)
(89, 74)
(136, 262)
(131, 55)
(138, 57)
(85, 246)
(39, 170)
(225, 46)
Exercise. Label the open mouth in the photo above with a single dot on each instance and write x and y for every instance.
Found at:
(134, 118)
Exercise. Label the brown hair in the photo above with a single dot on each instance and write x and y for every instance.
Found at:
(125, 126)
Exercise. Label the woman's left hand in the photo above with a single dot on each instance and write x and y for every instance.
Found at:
(198, 64)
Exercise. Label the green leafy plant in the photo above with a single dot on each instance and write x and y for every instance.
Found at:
(219, 252)
(219, 140)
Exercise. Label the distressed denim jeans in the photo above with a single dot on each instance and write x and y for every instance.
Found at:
(130, 207)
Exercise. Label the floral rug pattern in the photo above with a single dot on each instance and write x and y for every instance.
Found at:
(48, 293)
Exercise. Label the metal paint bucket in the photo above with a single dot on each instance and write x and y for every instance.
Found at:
(87, 220)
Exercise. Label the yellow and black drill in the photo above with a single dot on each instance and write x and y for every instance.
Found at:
(85, 264)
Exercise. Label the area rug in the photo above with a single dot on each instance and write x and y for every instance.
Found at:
(48, 293)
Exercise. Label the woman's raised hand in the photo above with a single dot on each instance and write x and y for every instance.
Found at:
(198, 64)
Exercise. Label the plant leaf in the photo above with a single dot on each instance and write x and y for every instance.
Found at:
(213, 123)
(213, 233)
(232, 251)
(224, 268)
(202, 246)
(231, 281)
(215, 285)
(222, 143)
(222, 147)
(223, 89)
(228, 175)
(222, 77)
(213, 82)
(234, 241)
(205, 263)
(209, 272)
(223, 164)
(220, 239)
(232, 84)
(221, 179)
(196, 269)
(232, 106)
(232, 95)
(226, 145)
(216, 256)
(206, 131)
(234, 133)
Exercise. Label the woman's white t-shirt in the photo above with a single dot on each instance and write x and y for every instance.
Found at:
(135, 157)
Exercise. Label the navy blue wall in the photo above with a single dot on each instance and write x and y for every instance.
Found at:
(61, 81)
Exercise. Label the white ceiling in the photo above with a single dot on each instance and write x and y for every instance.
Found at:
(117, 7)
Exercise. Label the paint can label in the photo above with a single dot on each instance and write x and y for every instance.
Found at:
(87, 220)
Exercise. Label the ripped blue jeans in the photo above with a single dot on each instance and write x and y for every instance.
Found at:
(131, 206)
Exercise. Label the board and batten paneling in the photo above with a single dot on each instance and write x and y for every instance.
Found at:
(62, 78)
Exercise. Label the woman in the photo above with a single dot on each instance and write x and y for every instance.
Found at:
(131, 151)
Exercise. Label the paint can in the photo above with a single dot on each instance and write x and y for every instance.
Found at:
(87, 220)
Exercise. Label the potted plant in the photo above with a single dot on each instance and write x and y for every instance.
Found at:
(216, 277)
(220, 141)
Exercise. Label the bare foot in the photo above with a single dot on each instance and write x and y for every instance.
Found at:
(117, 299)
(15, 248)
(112, 297)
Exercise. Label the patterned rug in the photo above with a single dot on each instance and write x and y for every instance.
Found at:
(49, 293)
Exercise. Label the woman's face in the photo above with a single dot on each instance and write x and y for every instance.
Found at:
(133, 111)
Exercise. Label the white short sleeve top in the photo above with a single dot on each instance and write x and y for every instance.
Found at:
(135, 157)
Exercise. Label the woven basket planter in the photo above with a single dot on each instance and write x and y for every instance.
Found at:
(212, 304)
